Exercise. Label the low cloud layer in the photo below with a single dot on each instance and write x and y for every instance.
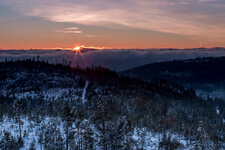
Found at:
(114, 59)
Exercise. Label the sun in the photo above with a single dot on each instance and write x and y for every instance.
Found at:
(77, 48)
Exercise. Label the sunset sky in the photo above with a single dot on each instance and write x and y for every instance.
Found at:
(28, 24)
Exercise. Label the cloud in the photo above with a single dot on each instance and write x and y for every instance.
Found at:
(185, 17)
(114, 59)
(73, 30)
(92, 36)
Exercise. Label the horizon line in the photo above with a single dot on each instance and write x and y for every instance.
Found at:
(102, 48)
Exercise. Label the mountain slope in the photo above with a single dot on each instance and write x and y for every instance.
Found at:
(205, 74)
(102, 109)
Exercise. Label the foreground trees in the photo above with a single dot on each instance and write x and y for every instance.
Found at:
(18, 110)
(49, 98)
(9, 142)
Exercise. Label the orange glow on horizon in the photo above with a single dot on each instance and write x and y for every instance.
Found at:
(77, 48)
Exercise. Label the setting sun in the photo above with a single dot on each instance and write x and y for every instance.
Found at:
(77, 48)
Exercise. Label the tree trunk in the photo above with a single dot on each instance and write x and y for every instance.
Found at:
(20, 128)
(67, 137)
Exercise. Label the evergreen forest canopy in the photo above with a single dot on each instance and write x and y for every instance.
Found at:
(96, 108)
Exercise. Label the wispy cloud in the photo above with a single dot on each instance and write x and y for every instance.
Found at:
(186, 17)
(92, 36)
(73, 30)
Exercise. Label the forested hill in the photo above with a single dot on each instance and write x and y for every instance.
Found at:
(47, 106)
(201, 70)
(206, 75)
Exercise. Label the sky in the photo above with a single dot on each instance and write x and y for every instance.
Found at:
(26, 24)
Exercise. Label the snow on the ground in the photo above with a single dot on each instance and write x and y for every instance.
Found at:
(217, 110)
(150, 140)
(213, 94)
(84, 92)
(30, 130)
(52, 94)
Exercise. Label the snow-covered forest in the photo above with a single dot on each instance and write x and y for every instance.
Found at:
(56, 107)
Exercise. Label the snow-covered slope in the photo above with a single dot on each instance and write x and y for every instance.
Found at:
(47, 106)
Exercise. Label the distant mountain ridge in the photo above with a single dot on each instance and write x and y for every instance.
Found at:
(194, 70)
(115, 59)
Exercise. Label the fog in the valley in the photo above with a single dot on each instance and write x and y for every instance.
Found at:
(115, 59)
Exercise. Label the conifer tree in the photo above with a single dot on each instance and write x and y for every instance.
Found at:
(18, 109)
(68, 118)
(202, 139)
